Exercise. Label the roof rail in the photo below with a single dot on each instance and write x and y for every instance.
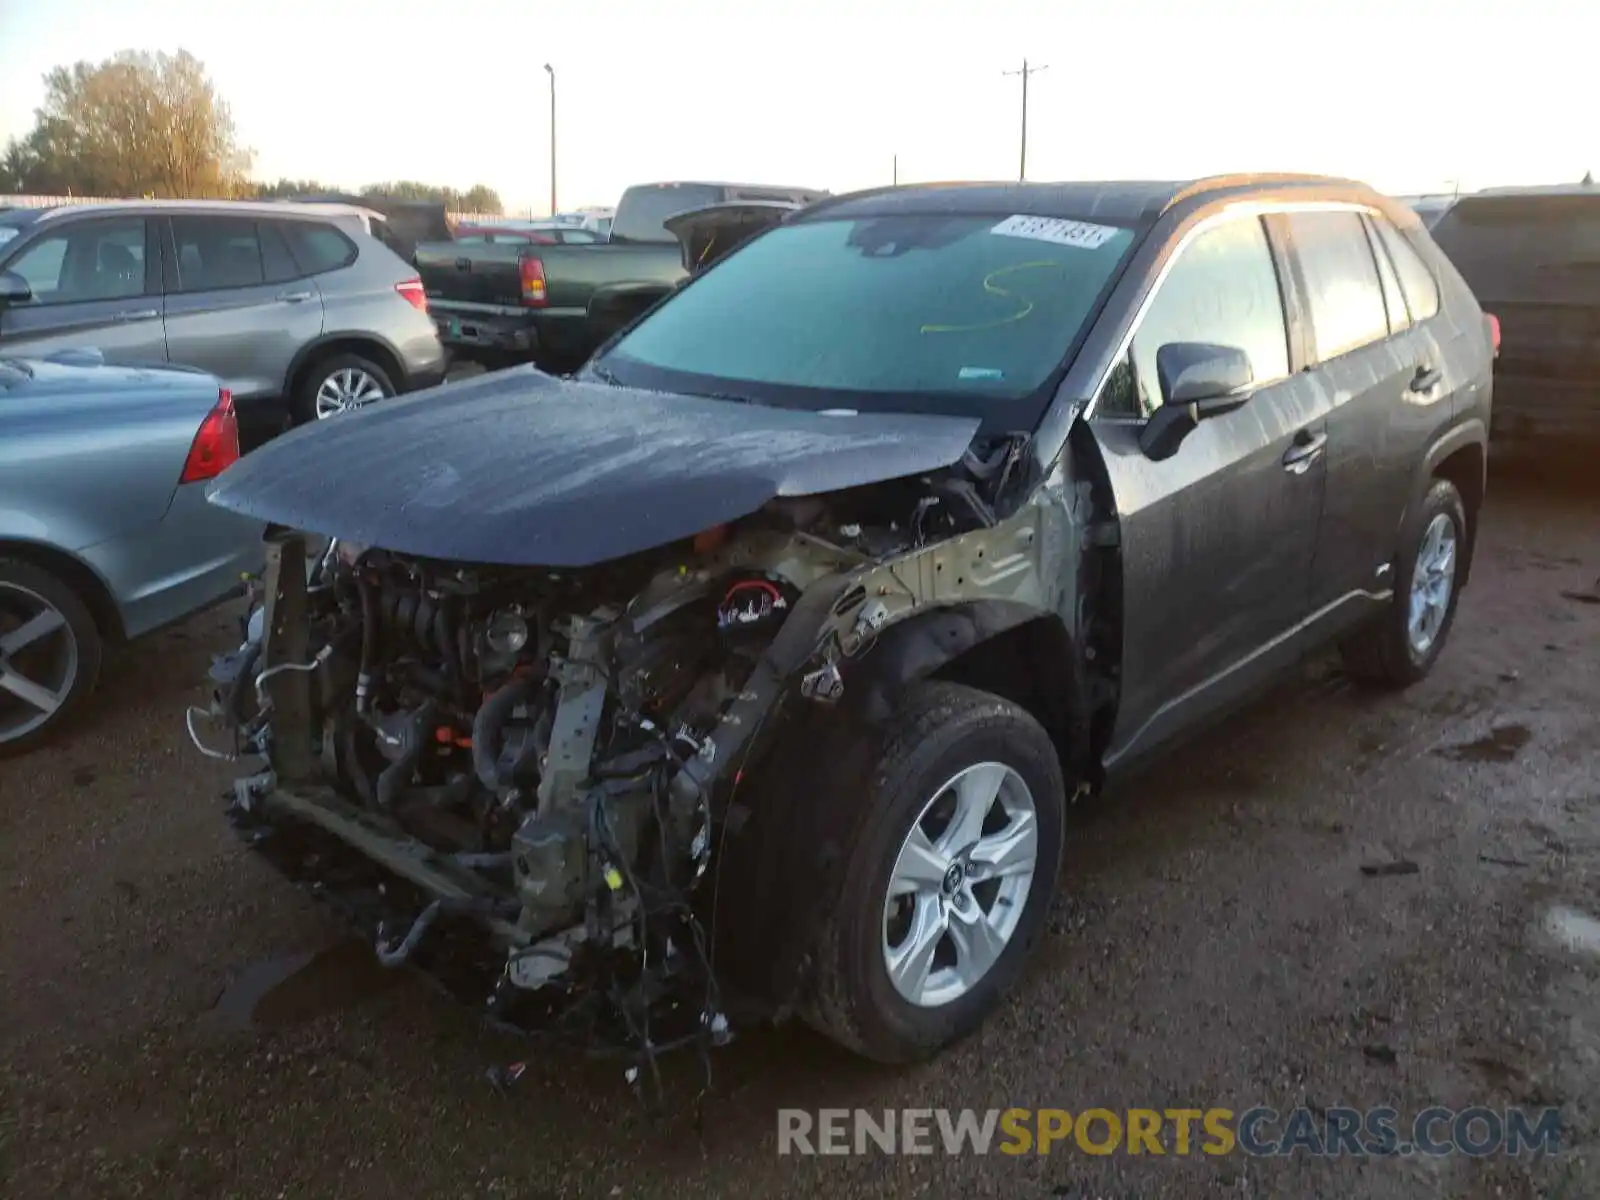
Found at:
(1213, 183)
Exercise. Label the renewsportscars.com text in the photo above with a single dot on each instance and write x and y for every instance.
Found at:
(1375, 1132)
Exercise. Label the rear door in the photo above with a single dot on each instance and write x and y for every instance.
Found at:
(1225, 530)
(1366, 361)
(96, 283)
(233, 306)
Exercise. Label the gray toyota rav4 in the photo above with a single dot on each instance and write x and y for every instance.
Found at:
(763, 661)
(298, 311)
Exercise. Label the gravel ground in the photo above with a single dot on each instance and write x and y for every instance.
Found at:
(1218, 944)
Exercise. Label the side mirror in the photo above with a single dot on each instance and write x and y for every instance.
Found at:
(14, 289)
(1198, 380)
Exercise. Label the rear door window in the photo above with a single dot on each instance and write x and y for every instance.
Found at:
(1393, 298)
(1341, 279)
(276, 261)
(216, 253)
(1416, 281)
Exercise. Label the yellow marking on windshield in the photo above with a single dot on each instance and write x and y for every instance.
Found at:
(994, 289)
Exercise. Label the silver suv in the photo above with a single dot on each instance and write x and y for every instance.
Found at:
(299, 311)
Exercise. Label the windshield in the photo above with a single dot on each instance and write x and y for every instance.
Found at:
(961, 312)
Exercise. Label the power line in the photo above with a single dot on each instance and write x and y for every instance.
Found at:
(1022, 169)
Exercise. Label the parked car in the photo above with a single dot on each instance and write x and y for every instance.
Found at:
(829, 585)
(297, 312)
(1532, 256)
(105, 534)
(510, 302)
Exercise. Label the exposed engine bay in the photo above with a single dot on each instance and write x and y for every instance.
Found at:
(548, 754)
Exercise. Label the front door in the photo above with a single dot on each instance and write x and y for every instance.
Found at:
(96, 284)
(1220, 538)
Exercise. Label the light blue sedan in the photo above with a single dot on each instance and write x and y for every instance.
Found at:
(105, 533)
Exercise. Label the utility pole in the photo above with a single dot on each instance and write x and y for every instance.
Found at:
(1022, 169)
(896, 170)
(550, 71)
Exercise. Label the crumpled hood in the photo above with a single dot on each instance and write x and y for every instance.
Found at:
(520, 468)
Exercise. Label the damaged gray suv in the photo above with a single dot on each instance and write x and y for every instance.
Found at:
(754, 670)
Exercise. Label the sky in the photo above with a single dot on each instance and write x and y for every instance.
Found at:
(1408, 95)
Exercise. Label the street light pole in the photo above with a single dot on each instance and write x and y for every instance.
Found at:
(1022, 169)
(551, 71)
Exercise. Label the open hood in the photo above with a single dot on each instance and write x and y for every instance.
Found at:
(715, 231)
(520, 468)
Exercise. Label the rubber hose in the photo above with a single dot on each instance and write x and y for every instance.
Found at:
(490, 721)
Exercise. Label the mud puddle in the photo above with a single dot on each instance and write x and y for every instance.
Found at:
(1501, 744)
(297, 988)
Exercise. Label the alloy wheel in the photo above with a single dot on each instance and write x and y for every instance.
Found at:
(347, 388)
(1432, 580)
(960, 884)
(38, 661)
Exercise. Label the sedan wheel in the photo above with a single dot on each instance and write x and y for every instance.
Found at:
(49, 654)
(959, 885)
(348, 388)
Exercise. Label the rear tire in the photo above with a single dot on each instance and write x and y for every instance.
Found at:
(1396, 650)
(943, 738)
(339, 383)
(50, 654)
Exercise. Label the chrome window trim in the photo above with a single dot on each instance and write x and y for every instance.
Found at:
(1229, 212)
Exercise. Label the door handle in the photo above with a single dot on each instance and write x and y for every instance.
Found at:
(1297, 459)
(293, 297)
(1425, 378)
(137, 314)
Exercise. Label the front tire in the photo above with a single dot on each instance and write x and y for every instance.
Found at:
(957, 847)
(338, 384)
(50, 651)
(1401, 646)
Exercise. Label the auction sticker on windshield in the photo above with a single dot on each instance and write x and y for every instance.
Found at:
(1083, 234)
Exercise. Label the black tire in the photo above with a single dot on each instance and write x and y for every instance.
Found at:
(1381, 653)
(89, 646)
(940, 729)
(303, 406)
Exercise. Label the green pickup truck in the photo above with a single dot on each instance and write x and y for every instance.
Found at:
(553, 303)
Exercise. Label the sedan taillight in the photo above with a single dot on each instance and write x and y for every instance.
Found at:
(216, 446)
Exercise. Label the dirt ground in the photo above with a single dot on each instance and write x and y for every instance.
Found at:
(1218, 943)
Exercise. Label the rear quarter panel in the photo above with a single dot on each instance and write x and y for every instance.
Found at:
(360, 300)
(82, 467)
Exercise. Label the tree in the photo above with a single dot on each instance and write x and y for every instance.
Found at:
(137, 124)
(284, 188)
(481, 199)
(477, 198)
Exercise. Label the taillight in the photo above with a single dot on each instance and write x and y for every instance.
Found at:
(411, 289)
(531, 273)
(1494, 332)
(216, 445)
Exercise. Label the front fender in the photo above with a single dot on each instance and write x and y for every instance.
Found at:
(917, 648)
